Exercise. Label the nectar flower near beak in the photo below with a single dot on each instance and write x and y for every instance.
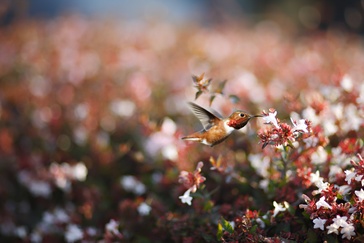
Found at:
(271, 119)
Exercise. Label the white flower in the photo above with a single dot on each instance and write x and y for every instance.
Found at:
(311, 141)
(299, 126)
(232, 223)
(310, 114)
(344, 190)
(60, 216)
(347, 231)
(359, 178)
(168, 126)
(279, 207)
(329, 126)
(40, 188)
(338, 111)
(144, 209)
(21, 232)
(170, 152)
(79, 171)
(360, 99)
(263, 184)
(123, 108)
(261, 164)
(271, 119)
(186, 198)
(333, 228)
(80, 135)
(130, 183)
(353, 119)
(35, 186)
(81, 111)
(319, 223)
(338, 222)
(315, 177)
(163, 142)
(347, 83)
(322, 203)
(261, 223)
(321, 185)
(319, 156)
(91, 231)
(349, 175)
(112, 227)
(360, 195)
(62, 174)
(341, 221)
(347, 228)
(73, 233)
(334, 170)
(35, 237)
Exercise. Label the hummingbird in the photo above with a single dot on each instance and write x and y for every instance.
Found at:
(215, 128)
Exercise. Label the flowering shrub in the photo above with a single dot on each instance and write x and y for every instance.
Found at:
(92, 115)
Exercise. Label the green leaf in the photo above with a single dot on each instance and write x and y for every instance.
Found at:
(212, 99)
(290, 144)
(219, 232)
(253, 229)
(198, 93)
(234, 99)
(208, 206)
(360, 143)
(227, 226)
(221, 87)
(332, 239)
(311, 236)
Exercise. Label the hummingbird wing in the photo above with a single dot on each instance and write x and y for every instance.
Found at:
(206, 118)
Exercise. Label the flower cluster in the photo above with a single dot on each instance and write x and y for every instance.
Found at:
(192, 181)
(91, 122)
(282, 133)
(339, 209)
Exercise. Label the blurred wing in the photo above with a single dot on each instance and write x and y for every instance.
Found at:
(206, 118)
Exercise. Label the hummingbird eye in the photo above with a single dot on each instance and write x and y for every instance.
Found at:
(242, 115)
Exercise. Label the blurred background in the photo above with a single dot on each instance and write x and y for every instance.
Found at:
(93, 103)
(307, 15)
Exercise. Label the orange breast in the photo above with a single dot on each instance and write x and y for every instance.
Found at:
(215, 134)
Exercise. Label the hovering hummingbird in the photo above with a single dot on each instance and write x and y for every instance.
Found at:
(216, 129)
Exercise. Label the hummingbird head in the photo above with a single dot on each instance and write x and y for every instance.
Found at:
(239, 119)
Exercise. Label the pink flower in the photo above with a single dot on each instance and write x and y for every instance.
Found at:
(192, 180)
(282, 133)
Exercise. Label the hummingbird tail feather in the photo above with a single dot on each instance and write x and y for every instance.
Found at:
(188, 138)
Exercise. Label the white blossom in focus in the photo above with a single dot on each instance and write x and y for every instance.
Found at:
(186, 198)
(322, 203)
(319, 223)
(279, 207)
(271, 119)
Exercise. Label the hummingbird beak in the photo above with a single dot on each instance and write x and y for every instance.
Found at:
(257, 116)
